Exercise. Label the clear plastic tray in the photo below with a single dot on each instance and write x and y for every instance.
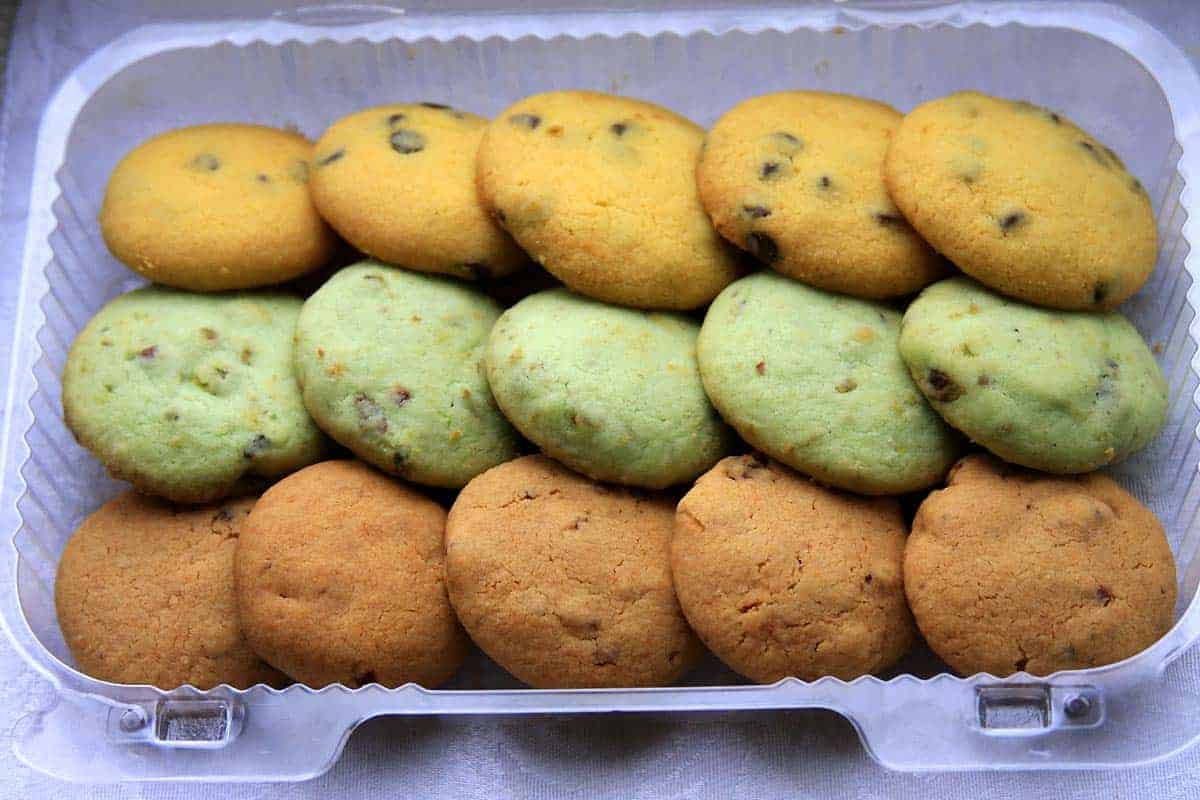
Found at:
(1108, 70)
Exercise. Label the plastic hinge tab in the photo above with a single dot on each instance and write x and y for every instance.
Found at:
(1031, 709)
(204, 724)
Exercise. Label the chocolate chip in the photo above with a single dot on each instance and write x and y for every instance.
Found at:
(824, 182)
(868, 578)
(207, 162)
(770, 170)
(332, 157)
(1094, 153)
(1099, 293)
(149, 352)
(756, 212)
(761, 368)
(788, 141)
(262, 178)
(619, 128)
(406, 141)
(1103, 595)
(888, 218)
(395, 119)
(1012, 220)
(441, 106)
(259, 444)
(942, 387)
(762, 247)
(400, 395)
(370, 415)
(530, 121)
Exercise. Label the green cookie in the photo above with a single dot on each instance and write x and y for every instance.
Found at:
(813, 379)
(611, 392)
(184, 394)
(390, 363)
(1060, 391)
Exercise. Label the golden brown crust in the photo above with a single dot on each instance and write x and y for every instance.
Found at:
(782, 577)
(565, 582)
(1009, 569)
(145, 595)
(340, 579)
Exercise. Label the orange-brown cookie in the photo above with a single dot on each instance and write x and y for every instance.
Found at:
(340, 579)
(565, 582)
(781, 577)
(1009, 570)
(145, 595)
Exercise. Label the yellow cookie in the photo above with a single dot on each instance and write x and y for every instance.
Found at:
(1023, 200)
(601, 191)
(216, 207)
(398, 182)
(796, 178)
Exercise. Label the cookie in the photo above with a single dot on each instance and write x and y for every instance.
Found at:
(796, 179)
(390, 363)
(1060, 391)
(566, 583)
(398, 182)
(611, 392)
(813, 379)
(340, 578)
(1009, 570)
(144, 595)
(780, 577)
(600, 190)
(188, 396)
(216, 207)
(1023, 200)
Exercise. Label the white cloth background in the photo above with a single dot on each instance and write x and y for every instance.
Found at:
(759, 755)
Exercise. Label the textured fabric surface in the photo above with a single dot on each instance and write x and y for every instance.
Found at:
(758, 755)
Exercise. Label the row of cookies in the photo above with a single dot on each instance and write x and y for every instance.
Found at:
(340, 574)
(614, 196)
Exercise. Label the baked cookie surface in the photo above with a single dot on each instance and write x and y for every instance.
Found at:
(340, 577)
(566, 583)
(184, 395)
(796, 178)
(1023, 200)
(1009, 570)
(813, 379)
(613, 393)
(1059, 391)
(144, 595)
(780, 577)
(601, 191)
(398, 182)
(216, 207)
(390, 363)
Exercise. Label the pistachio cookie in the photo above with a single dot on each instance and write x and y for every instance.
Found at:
(144, 595)
(1023, 200)
(781, 577)
(1009, 570)
(601, 191)
(398, 182)
(190, 396)
(1060, 391)
(813, 379)
(216, 207)
(611, 392)
(566, 583)
(796, 178)
(391, 366)
(340, 576)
